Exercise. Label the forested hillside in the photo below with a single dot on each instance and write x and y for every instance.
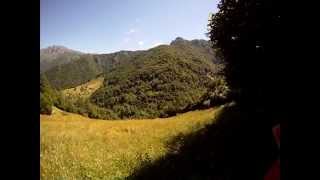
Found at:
(74, 73)
(161, 82)
(158, 82)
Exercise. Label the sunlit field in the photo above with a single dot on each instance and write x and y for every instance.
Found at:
(76, 147)
(84, 90)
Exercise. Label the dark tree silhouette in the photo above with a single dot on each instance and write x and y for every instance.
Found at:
(247, 33)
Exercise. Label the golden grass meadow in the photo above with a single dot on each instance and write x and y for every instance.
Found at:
(76, 147)
(84, 90)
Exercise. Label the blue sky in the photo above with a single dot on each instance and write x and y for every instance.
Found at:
(104, 26)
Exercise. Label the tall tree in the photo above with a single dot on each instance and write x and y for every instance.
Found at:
(46, 96)
(247, 32)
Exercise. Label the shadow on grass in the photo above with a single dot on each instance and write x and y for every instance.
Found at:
(238, 146)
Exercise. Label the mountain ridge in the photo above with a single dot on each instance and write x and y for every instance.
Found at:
(58, 49)
(95, 64)
(56, 55)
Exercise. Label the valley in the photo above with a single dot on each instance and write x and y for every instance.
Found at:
(158, 82)
(105, 116)
(124, 97)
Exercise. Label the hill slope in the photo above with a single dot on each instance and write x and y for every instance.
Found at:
(86, 68)
(53, 56)
(84, 90)
(74, 73)
(159, 82)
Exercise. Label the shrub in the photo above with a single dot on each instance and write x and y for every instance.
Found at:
(45, 104)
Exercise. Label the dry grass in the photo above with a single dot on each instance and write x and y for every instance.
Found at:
(76, 147)
(84, 90)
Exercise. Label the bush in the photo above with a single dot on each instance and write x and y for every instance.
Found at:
(45, 104)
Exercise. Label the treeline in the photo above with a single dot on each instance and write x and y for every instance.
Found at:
(84, 107)
(49, 97)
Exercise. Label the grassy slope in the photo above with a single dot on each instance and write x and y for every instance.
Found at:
(75, 147)
(84, 90)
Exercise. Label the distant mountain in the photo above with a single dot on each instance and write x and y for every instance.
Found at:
(72, 68)
(57, 50)
(85, 68)
(53, 56)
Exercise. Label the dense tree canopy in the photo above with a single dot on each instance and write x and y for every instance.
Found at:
(160, 82)
(247, 33)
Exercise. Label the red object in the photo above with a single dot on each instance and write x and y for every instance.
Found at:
(274, 171)
(276, 133)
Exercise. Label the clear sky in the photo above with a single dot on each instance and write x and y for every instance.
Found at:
(104, 26)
